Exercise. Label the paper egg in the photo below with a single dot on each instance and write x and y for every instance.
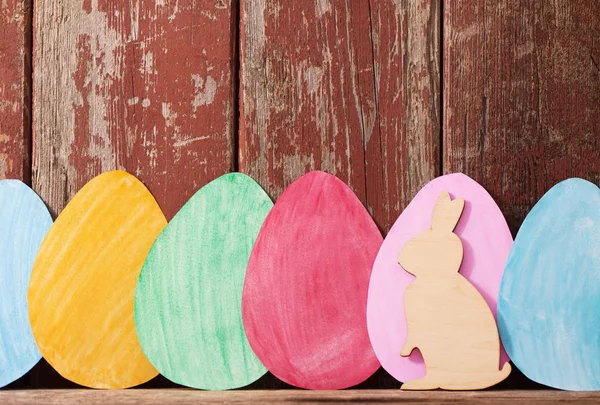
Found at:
(550, 293)
(486, 242)
(306, 286)
(189, 296)
(24, 222)
(83, 283)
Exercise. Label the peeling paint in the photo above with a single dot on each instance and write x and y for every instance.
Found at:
(322, 7)
(185, 142)
(398, 4)
(256, 106)
(95, 62)
(334, 86)
(169, 115)
(314, 78)
(173, 15)
(205, 91)
(147, 65)
(15, 73)
(122, 97)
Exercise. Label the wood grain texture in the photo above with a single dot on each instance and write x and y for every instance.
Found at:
(135, 85)
(447, 318)
(175, 396)
(351, 88)
(15, 89)
(522, 96)
(81, 292)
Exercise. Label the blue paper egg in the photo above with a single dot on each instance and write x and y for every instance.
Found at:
(549, 304)
(24, 222)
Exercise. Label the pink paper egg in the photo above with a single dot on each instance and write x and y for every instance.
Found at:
(305, 294)
(486, 240)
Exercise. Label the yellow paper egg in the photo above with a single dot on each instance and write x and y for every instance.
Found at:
(83, 282)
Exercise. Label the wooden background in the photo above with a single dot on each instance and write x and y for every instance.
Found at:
(385, 94)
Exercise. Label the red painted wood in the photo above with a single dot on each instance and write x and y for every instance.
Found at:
(522, 96)
(15, 89)
(348, 87)
(305, 294)
(135, 85)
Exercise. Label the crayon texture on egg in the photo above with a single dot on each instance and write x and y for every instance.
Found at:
(24, 222)
(550, 293)
(83, 283)
(188, 302)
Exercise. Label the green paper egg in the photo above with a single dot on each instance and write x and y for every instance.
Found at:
(188, 299)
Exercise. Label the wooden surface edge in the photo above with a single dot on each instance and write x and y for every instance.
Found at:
(184, 396)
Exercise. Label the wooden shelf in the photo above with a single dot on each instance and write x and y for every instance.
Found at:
(182, 396)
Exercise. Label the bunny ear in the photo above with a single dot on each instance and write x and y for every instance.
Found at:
(447, 212)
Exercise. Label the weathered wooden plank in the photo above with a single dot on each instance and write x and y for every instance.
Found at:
(145, 86)
(522, 96)
(351, 88)
(15, 89)
(177, 396)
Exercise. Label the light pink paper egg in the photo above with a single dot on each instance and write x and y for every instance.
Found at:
(486, 240)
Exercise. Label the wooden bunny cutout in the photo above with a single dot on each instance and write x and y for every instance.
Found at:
(447, 318)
